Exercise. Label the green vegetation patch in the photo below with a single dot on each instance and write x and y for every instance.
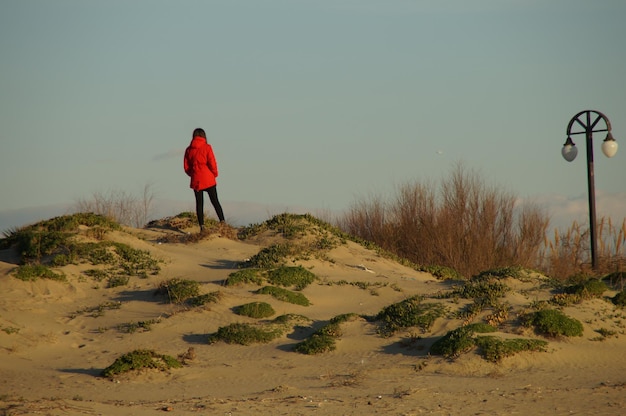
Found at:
(206, 298)
(270, 257)
(441, 272)
(178, 291)
(616, 279)
(138, 360)
(619, 299)
(119, 280)
(136, 262)
(55, 238)
(10, 330)
(490, 290)
(459, 340)
(244, 276)
(284, 295)
(255, 310)
(245, 334)
(97, 274)
(324, 339)
(494, 349)
(132, 327)
(30, 272)
(52, 236)
(97, 311)
(287, 276)
(123, 261)
(290, 226)
(516, 272)
(589, 289)
(316, 344)
(554, 323)
(410, 312)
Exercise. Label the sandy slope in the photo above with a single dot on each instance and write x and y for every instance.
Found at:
(51, 364)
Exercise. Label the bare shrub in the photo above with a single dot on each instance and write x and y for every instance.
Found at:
(463, 224)
(368, 220)
(568, 253)
(123, 207)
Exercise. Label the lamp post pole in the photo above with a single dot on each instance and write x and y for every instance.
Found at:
(588, 120)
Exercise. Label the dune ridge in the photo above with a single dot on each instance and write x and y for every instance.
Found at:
(56, 336)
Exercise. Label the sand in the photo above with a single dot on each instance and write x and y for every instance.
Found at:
(52, 352)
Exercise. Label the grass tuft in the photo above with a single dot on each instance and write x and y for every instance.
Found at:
(408, 313)
(284, 295)
(554, 323)
(30, 272)
(138, 360)
(255, 310)
(296, 276)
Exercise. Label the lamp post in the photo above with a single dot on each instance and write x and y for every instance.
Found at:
(588, 120)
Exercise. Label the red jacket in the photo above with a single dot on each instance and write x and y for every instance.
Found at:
(200, 164)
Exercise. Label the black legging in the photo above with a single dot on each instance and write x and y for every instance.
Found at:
(212, 191)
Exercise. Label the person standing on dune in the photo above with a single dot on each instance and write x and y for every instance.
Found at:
(201, 167)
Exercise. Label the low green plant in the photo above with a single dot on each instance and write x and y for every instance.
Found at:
(619, 299)
(324, 339)
(269, 257)
(316, 344)
(136, 262)
(289, 225)
(490, 290)
(29, 272)
(284, 295)
(441, 272)
(606, 333)
(255, 310)
(459, 340)
(296, 276)
(97, 311)
(565, 299)
(10, 330)
(494, 349)
(49, 236)
(244, 276)
(371, 286)
(588, 289)
(616, 279)
(326, 243)
(96, 253)
(97, 274)
(289, 320)
(471, 310)
(138, 360)
(179, 290)
(132, 327)
(116, 281)
(554, 323)
(61, 260)
(205, 298)
(408, 313)
(244, 334)
(500, 273)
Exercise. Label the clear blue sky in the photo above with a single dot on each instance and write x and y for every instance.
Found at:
(308, 104)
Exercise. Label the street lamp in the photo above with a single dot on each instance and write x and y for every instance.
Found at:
(569, 152)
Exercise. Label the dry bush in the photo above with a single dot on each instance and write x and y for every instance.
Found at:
(123, 207)
(463, 224)
(568, 253)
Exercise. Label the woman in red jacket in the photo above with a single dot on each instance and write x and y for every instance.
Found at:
(201, 167)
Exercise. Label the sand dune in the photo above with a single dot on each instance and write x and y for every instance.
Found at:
(56, 337)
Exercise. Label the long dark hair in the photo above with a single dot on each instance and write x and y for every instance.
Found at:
(199, 133)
